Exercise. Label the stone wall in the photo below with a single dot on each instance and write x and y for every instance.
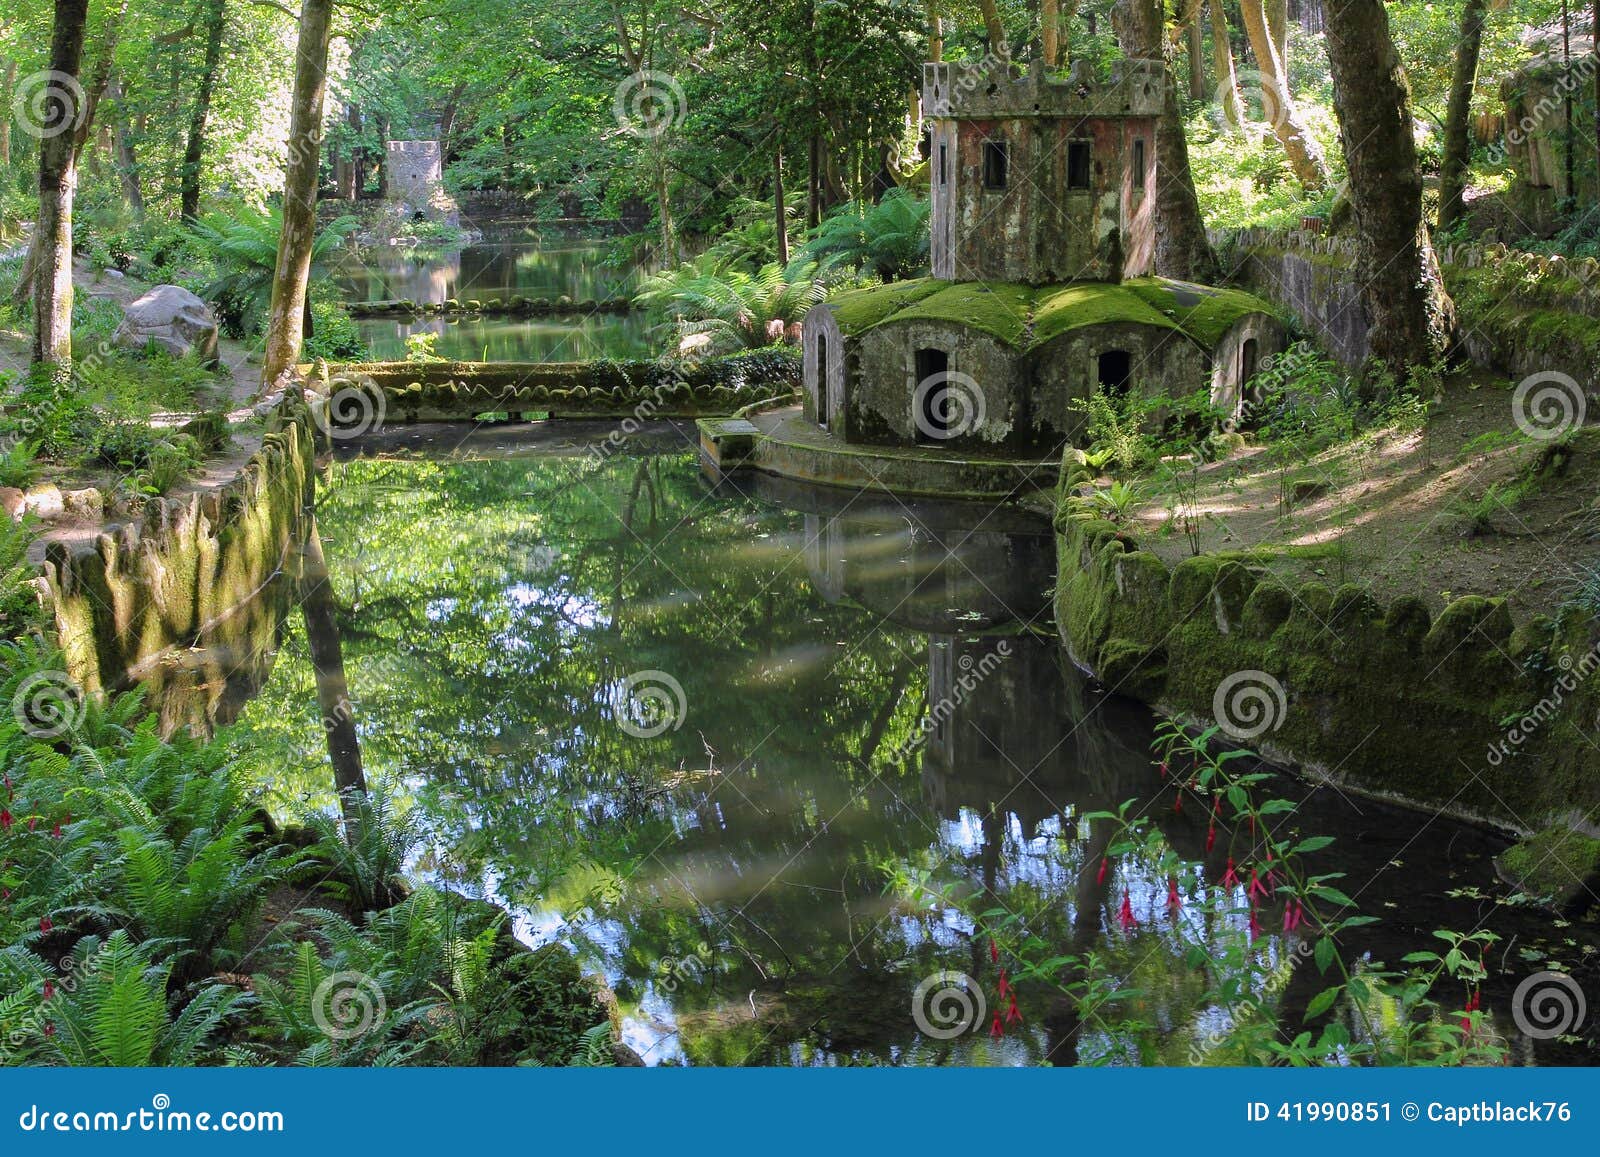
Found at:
(374, 392)
(1522, 313)
(185, 593)
(1390, 701)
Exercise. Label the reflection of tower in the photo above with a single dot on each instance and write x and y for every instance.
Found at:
(825, 556)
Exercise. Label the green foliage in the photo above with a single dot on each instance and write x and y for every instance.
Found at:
(19, 463)
(334, 336)
(715, 309)
(888, 239)
(1112, 426)
(1116, 501)
(243, 242)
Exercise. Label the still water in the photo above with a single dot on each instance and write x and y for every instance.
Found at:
(762, 754)
(511, 259)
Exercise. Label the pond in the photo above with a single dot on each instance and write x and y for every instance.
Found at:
(760, 753)
(513, 258)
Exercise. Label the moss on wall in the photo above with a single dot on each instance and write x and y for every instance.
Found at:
(1386, 700)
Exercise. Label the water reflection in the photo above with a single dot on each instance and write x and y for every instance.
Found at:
(508, 262)
(878, 737)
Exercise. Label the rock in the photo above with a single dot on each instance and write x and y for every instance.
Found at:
(1305, 489)
(172, 318)
(44, 501)
(85, 505)
(12, 502)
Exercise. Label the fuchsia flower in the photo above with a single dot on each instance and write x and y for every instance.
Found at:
(1013, 1016)
(1211, 835)
(1005, 984)
(1255, 925)
(33, 822)
(1474, 1003)
(1100, 877)
(1125, 915)
(1256, 890)
(1294, 915)
(1174, 900)
(56, 832)
(994, 952)
(1177, 803)
(5, 820)
(1163, 769)
(49, 1028)
(45, 925)
(996, 1029)
(1230, 878)
(49, 989)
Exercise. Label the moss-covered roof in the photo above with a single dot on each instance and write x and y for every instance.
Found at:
(1027, 316)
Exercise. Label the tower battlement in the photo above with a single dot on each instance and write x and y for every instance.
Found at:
(993, 88)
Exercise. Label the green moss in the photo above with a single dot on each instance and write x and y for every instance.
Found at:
(1033, 315)
(858, 310)
(999, 309)
(1203, 312)
(1552, 865)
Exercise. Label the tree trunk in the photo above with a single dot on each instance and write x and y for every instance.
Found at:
(127, 163)
(1182, 249)
(1278, 24)
(1457, 138)
(781, 217)
(996, 29)
(814, 180)
(216, 19)
(292, 276)
(1412, 316)
(1305, 158)
(1050, 31)
(64, 111)
(333, 690)
(936, 34)
(7, 85)
(1195, 53)
(1227, 75)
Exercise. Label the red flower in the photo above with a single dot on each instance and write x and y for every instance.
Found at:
(1005, 984)
(49, 989)
(1163, 769)
(1177, 804)
(45, 925)
(1125, 916)
(49, 1029)
(1230, 878)
(996, 1030)
(32, 822)
(1474, 1003)
(1293, 915)
(1100, 877)
(1211, 836)
(1256, 890)
(5, 820)
(1012, 1015)
(56, 831)
(994, 952)
(1255, 925)
(1216, 804)
(1174, 900)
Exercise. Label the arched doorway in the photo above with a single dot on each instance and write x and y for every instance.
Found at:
(931, 411)
(822, 380)
(1114, 369)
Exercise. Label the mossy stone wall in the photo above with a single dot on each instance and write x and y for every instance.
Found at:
(1391, 701)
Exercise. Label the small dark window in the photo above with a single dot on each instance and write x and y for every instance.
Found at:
(942, 151)
(1077, 164)
(995, 164)
(1138, 162)
(1115, 369)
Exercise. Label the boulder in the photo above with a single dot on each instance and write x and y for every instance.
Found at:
(12, 503)
(172, 318)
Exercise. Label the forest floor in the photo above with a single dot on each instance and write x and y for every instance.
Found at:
(1467, 504)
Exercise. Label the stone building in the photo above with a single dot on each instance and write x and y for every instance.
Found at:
(414, 182)
(1041, 242)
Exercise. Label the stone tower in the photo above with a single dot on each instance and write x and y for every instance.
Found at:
(1040, 178)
